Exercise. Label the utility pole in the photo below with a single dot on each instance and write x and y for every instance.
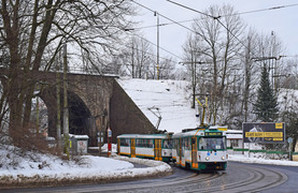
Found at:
(58, 124)
(65, 106)
(37, 112)
(194, 77)
(273, 68)
(157, 43)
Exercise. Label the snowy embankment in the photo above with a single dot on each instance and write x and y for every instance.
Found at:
(245, 159)
(38, 169)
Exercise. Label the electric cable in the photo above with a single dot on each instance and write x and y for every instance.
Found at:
(175, 22)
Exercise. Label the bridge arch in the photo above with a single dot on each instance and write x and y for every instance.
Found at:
(79, 114)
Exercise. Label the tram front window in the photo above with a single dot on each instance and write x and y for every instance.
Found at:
(211, 143)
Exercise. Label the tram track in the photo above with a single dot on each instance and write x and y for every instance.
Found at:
(238, 178)
(259, 179)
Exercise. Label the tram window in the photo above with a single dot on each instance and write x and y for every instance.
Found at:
(187, 144)
(124, 142)
(150, 143)
(167, 144)
(139, 143)
(193, 140)
(212, 143)
(202, 143)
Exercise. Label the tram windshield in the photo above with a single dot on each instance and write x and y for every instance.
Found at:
(212, 143)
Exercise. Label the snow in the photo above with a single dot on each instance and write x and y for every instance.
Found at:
(16, 166)
(88, 166)
(245, 159)
(172, 100)
(171, 97)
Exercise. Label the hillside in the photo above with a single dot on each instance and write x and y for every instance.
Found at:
(171, 98)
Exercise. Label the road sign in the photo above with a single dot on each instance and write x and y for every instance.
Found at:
(290, 140)
(263, 132)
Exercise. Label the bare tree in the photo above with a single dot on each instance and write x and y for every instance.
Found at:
(33, 32)
(193, 56)
(248, 54)
(288, 74)
(220, 36)
(167, 68)
(137, 57)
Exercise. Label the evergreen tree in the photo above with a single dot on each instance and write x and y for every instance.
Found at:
(266, 105)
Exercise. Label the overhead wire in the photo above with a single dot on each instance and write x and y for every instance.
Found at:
(214, 17)
(146, 52)
(169, 52)
(265, 9)
(175, 22)
(241, 13)
(217, 18)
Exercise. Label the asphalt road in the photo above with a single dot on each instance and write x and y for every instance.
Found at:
(239, 177)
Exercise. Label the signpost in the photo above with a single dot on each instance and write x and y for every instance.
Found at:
(109, 134)
(263, 133)
(290, 141)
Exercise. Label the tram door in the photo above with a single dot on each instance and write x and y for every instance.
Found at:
(194, 152)
(157, 149)
(179, 151)
(132, 148)
(118, 146)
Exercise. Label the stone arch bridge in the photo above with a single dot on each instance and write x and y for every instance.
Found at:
(95, 102)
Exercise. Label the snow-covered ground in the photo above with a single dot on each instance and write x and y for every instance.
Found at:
(172, 98)
(37, 168)
(245, 159)
(41, 168)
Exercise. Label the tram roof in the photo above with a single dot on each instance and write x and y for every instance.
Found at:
(144, 136)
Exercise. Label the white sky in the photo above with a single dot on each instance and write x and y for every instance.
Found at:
(282, 21)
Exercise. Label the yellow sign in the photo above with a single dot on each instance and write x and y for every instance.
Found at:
(278, 125)
(222, 128)
(264, 134)
(277, 139)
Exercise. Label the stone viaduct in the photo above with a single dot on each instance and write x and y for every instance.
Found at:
(95, 102)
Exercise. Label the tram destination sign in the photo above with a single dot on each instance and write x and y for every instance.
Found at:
(213, 134)
(263, 132)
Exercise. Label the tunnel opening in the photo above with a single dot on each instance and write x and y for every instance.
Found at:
(78, 115)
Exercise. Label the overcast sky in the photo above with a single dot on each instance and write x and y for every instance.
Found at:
(284, 22)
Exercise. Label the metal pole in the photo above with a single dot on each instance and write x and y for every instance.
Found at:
(65, 107)
(157, 43)
(37, 113)
(58, 124)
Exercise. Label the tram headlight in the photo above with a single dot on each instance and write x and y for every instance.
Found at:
(207, 158)
(223, 157)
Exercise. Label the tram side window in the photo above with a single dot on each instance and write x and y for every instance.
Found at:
(124, 142)
(177, 146)
(167, 144)
(202, 143)
(150, 143)
(147, 143)
(139, 143)
(186, 143)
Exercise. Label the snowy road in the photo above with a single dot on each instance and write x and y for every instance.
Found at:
(239, 177)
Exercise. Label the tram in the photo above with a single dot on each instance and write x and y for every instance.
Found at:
(200, 149)
(151, 146)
